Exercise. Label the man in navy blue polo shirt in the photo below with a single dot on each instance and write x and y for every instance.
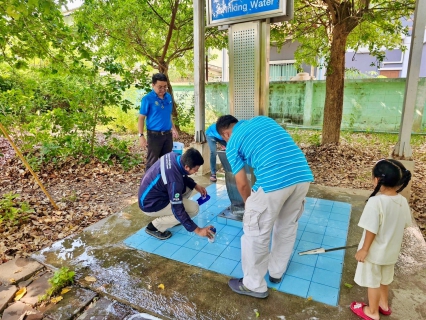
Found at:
(213, 137)
(156, 108)
(273, 204)
(164, 193)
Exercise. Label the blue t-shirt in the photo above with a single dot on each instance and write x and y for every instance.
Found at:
(212, 132)
(157, 111)
(266, 147)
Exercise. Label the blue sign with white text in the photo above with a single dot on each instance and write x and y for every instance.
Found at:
(225, 9)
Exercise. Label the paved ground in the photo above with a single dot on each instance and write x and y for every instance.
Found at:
(132, 277)
(323, 223)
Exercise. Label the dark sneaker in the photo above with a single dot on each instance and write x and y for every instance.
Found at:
(158, 234)
(237, 286)
(275, 280)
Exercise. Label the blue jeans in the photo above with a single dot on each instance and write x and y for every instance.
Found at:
(211, 141)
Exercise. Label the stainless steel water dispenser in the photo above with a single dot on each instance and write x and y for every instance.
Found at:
(236, 210)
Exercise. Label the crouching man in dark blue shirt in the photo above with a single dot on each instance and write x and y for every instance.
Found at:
(164, 193)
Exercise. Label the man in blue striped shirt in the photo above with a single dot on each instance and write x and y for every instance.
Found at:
(273, 204)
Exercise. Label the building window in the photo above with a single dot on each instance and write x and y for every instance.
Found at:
(281, 71)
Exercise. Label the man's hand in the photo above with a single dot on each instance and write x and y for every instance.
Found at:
(175, 133)
(205, 232)
(361, 254)
(243, 184)
(142, 142)
(201, 190)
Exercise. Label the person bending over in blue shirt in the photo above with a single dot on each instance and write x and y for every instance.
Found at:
(156, 108)
(273, 204)
(213, 137)
(164, 193)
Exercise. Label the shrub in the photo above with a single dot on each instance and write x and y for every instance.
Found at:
(57, 116)
(61, 278)
(13, 211)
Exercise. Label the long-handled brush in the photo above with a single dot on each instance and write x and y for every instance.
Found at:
(322, 250)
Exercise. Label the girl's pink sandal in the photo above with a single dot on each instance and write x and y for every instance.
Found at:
(385, 312)
(358, 309)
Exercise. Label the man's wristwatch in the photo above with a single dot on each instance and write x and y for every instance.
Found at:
(140, 135)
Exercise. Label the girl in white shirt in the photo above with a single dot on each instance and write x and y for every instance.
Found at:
(384, 218)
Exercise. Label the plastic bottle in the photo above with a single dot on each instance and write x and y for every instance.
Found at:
(212, 229)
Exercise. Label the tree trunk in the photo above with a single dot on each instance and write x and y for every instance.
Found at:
(174, 112)
(335, 81)
(163, 68)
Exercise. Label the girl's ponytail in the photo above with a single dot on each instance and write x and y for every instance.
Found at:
(376, 189)
(406, 177)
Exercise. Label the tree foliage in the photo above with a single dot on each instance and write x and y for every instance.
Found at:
(157, 33)
(33, 30)
(54, 88)
(325, 29)
(57, 113)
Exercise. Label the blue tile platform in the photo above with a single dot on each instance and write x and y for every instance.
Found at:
(324, 223)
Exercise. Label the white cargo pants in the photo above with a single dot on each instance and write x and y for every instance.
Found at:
(277, 212)
(166, 219)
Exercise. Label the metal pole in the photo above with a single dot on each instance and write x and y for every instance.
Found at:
(28, 166)
(199, 75)
(225, 76)
(264, 68)
(207, 68)
(402, 149)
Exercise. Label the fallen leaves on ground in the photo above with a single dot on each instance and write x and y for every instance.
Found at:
(28, 313)
(65, 290)
(350, 164)
(84, 193)
(6, 151)
(90, 279)
(55, 300)
(87, 193)
(21, 292)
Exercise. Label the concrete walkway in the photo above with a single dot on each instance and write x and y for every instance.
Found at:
(132, 278)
